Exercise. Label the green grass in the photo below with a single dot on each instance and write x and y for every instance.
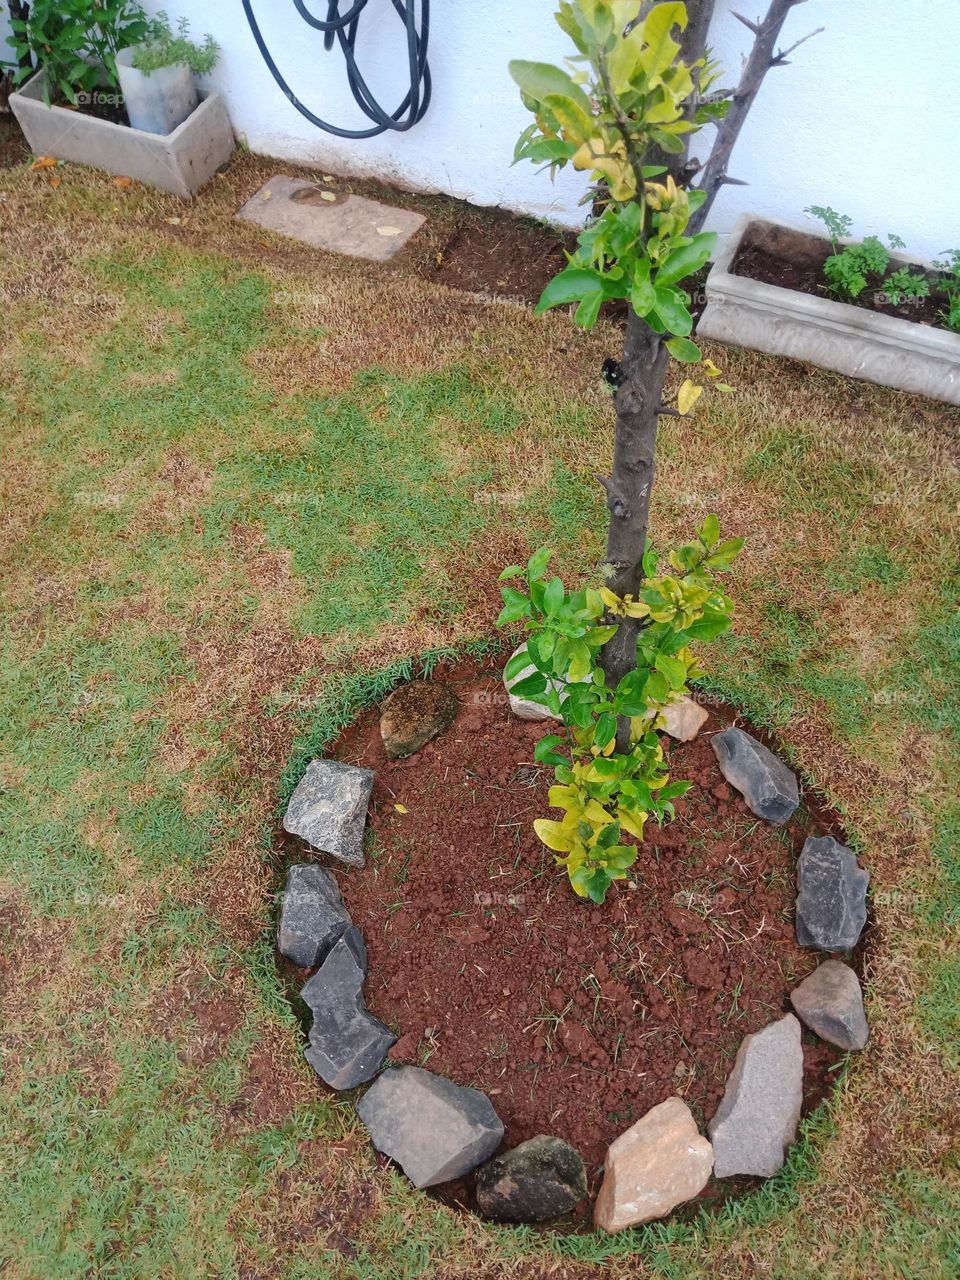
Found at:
(231, 528)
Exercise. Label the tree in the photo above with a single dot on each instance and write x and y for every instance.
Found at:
(609, 661)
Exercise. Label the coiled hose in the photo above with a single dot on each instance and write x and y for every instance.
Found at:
(343, 27)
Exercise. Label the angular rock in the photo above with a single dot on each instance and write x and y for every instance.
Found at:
(830, 1002)
(434, 1129)
(415, 713)
(766, 784)
(347, 1044)
(329, 809)
(832, 898)
(659, 1162)
(683, 720)
(758, 1115)
(542, 1178)
(312, 917)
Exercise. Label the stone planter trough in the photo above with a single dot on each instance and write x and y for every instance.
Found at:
(835, 335)
(179, 162)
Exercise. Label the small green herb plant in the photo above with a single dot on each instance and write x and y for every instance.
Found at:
(950, 284)
(849, 269)
(604, 792)
(76, 43)
(165, 47)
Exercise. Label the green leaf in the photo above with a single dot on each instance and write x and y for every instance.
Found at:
(572, 285)
(511, 571)
(662, 49)
(643, 297)
(710, 533)
(605, 731)
(687, 259)
(538, 80)
(530, 686)
(724, 556)
(673, 669)
(537, 564)
(519, 662)
(589, 309)
(515, 606)
(553, 596)
(708, 627)
(684, 350)
(545, 751)
(672, 310)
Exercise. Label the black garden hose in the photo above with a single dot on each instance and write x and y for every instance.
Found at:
(343, 27)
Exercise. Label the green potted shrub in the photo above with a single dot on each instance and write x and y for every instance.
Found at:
(70, 106)
(157, 76)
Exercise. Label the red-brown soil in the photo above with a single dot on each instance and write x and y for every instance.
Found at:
(574, 1019)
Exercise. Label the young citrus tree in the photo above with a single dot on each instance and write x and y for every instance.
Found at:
(608, 661)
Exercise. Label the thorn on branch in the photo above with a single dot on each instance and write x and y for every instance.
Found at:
(668, 411)
(779, 59)
(751, 26)
(732, 182)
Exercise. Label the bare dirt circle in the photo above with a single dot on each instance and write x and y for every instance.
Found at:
(574, 1019)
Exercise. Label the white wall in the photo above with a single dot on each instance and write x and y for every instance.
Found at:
(864, 119)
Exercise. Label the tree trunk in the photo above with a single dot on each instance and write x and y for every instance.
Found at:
(639, 400)
(629, 488)
(19, 9)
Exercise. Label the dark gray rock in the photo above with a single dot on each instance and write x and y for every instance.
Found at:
(766, 784)
(543, 1178)
(415, 713)
(312, 917)
(329, 809)
(434, 1129)
(758, 1115)
(832, 897)
(830, 1002)
(347, 1044)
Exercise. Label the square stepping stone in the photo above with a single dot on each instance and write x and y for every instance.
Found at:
(331, 220)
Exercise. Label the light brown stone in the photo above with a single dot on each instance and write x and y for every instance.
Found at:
(659, 1162)
(683, 720)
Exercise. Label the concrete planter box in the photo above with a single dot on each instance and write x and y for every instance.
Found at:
(179, 162)
(835, 335)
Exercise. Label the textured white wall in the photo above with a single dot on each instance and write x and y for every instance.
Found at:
(865, 118)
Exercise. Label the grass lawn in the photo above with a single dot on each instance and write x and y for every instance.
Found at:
(240, 477)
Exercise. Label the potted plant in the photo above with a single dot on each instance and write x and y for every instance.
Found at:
(157, 76)
(70, 106)
(860, 307)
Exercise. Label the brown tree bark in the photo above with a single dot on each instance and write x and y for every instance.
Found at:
(20, 10)
(639, 398)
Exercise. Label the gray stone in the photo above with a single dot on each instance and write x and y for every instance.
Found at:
(832, 897)
(542, 1178)
(347, 1044)
(415, 713)
(835, 335)
(179, 162)
(830, 1002)
(758, 1115)
(312, 917)
(434, 1129)
(332, 220)
(329, 809)
(766, 784)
